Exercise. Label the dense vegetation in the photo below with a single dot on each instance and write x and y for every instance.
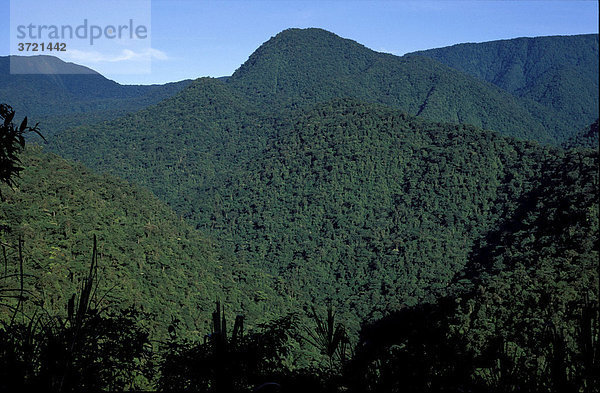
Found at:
(357, 202)
(204, 131)
(524, 312)
(586, 137)
(559, 72)
(148, 257)
(304, 204)
(173, 148)
(535, 97)
(521, 315)
(312, 65)
(357, 244)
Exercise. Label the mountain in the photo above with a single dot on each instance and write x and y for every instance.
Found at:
(305, 66)
(559, 72)
(293, 183)
(148, 256)
(320, 176)
(344, 200)
(364, 203)
(357, 205)
(176, 147)
(300, 66)
(70, 95)
(44, 64)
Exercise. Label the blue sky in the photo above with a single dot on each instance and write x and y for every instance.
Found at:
(194, 38)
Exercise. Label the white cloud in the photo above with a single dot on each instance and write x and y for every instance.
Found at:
(79, 56)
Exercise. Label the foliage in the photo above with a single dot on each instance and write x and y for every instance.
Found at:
(410, 351)
(149, 257)
(12, 142)
(536, 280)
(223, 363)
(353, 203)
(307, 66)
(523, 316)
(468, 257)
(85, 351)
(587, 138)
(329, 337)
(560, 72)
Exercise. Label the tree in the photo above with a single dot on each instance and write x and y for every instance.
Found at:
(12, 142)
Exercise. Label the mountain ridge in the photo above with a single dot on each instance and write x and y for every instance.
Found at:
(559, 72)
(45, 64)
(299, 66)
(60, 101)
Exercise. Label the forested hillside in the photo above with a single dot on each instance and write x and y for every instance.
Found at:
(343, 201)
(300, 66)
(363, 203)
(176, 147)
(149, 258)
(559, 72)
(540, 95)
(524, 313)
(327, 219)
(466, 256)
(586, 137)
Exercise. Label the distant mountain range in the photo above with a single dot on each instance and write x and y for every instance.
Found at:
(44, 64)
(312, 65)
(68, 95)
(540, 88)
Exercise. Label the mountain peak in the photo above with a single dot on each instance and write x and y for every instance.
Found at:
(313, 36)
(306, 33)
(304, 45)
(302, 66)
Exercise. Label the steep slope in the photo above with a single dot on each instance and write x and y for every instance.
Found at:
(358, 203)
(366, 204)
(538, 288)
(60, 100)
(524, 315)
(343, 201)
(374, 211)
(148, 256)
(559, 72)
(175, 147)
(312, 65)
(355, 204)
